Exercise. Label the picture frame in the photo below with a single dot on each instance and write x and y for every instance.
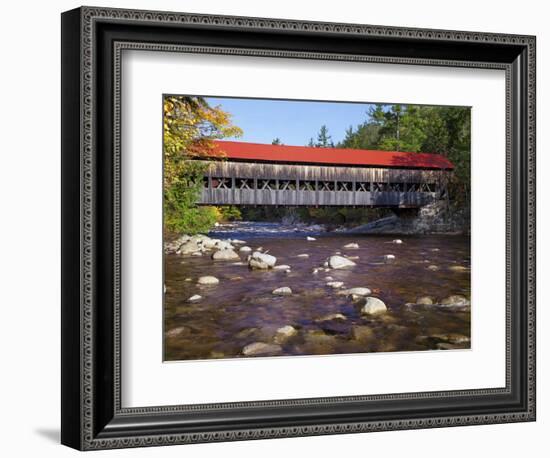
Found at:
(93, 416)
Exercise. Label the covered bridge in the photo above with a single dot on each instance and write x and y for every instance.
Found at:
(260, 174)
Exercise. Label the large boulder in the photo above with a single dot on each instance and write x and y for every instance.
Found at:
(223, 245)
(225, 255)
(189, 247)
(260, 260)
(173, 246)
(209, 243)
(373, 306)
(339, 262)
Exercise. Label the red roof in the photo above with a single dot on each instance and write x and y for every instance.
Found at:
(330, 156)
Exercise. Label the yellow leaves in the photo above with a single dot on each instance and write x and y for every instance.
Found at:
(189, 126)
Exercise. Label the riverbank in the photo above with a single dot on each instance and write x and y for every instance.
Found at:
(261, 290)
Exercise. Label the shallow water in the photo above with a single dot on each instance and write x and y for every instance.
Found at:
(241, 310)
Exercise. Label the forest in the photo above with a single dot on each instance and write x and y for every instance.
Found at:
(191, 125)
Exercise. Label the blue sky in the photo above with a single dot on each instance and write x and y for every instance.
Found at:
(294, 122)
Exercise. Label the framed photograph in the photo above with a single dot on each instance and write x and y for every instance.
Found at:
(276, 228)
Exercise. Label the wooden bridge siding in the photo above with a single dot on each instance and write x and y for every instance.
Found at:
(278, 172)
(320, 173)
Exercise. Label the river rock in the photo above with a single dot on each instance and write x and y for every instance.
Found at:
(339, 262)
(373, 306)
(245, 249)
(318, 336)
(209, 243)
(281, 267)
(351, 246)
(261, 349)
(455, 300)
(285, 333)
(189, 247)
(335, 284)
(358, 291)
(208, 280)
(196, 253)
(224, 245)
(303, 255)
(174, 245)
(387, 257)
(445, 346)
(237, 242)
(458, 269)
(176, 331)
(397, 241)
(261, 260)
(453, 338)
(315, 270)
(361, 332)
(311, 239)
(195, 298)
(432, 267)
(330, 317)
(424, 300)
(459, 339)
(225, 255)
(282, 291)
(329, 278)
(316, 341)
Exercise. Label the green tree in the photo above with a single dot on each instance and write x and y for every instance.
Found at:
(324, 140)
(190, 126)
(413, 128)
(277, 141)
(366, 136)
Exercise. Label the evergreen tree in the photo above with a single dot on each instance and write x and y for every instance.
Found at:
(324, 140)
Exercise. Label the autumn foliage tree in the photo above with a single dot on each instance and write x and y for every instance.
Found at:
(190, 126)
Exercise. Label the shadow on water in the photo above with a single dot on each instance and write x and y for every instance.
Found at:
(241, 310)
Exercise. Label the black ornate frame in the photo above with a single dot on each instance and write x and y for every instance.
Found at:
(92, 42)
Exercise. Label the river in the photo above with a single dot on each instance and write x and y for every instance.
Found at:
(241, 310)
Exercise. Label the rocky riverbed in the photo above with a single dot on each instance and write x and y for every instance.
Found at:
(265, 289)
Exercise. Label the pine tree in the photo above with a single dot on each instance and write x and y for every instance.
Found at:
(324, 140)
